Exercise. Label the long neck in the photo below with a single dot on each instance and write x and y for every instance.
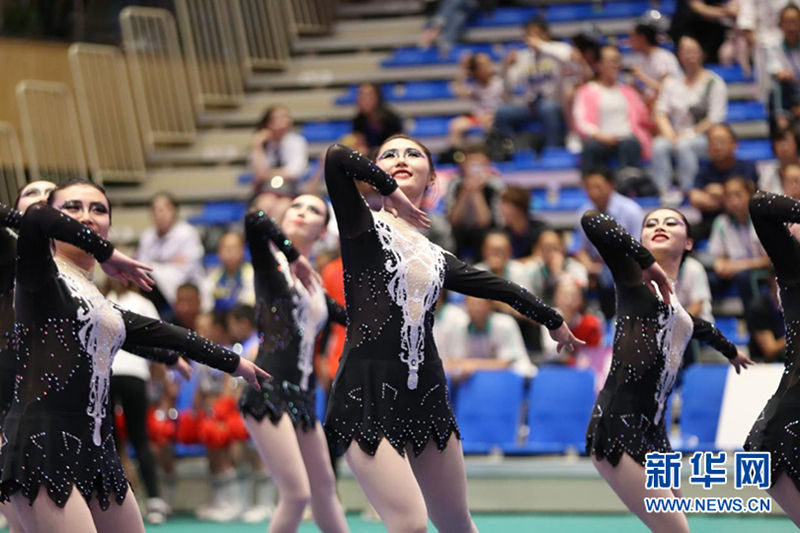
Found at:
(670, 264)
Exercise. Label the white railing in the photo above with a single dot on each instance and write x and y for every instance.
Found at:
(261, 34)
(11, 169)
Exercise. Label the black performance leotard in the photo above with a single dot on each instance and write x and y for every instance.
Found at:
(8, 263)
(777, 429)
(289, 320)
(649, 340)
(390, 383)
(56, 434)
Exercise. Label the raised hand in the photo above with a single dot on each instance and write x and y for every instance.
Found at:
(654, 273)
(122, 268)
(400, 206)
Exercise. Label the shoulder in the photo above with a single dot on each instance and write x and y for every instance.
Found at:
(183, 228)
(293, 139)
(503, 322)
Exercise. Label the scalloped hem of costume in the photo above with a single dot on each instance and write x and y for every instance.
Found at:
(614, 454)
(400, 445)
(299, 423)
(9, 487)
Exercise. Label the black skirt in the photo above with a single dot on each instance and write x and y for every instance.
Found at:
(777, 431)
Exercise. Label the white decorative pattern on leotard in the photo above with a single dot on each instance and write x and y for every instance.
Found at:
(102, 334)
(417, 268)
(310, 313)
(674, 332)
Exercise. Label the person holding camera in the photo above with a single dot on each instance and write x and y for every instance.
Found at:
(688, 105)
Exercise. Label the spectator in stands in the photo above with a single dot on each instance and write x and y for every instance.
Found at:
(579, 70)
(241, 321)
(538, 72)
(783, 65)
(494, 342)
(688, 105)
(784, 146)
(765, 325)
(650, 64)
(473, 201)
(693, 289)
(232, 282)
(611, 118)
(551, 264)
(705, 20)
(274, 197)
(476, 81)
(496, 252)
(707, 194)
(790, 180)
(277, 151)
(759, 20)
(523, 228)
(738, 253)
(448, 23)
(450, 329)
(569, 300)
(599, 184)
(375, 121)
(174, 250)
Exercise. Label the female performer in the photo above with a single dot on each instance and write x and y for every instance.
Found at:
(390, 392)
(652, 331)
(776, 429)
(281, 417)
(56, 435)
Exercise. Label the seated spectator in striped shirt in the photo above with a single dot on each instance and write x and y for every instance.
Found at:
(737, 251)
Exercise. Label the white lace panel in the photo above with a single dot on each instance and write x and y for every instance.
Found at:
(310, 314)
(417, 269)
(102, 334)
(674, 333)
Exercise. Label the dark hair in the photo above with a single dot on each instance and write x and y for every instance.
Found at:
(748, 184)
(649, 32)
(538, 22)
(167, 196)
(518, 197)
(586, 43)
(791, 6)
(73, 182)
(495, 231)
(725, 126)
(267, 116)
(425, 149)
(780, 134)
(603, 171)
(378, 93)
(188, 286)
(472, 63)
(243, 312)
(685, 222)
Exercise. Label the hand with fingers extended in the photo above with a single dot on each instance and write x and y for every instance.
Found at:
(741, 361)
(122, 268)
(654, 273)
(303, 271)
(565, 338)
(400, 206)
(251, 373)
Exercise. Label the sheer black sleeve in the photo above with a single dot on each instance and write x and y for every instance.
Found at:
(9, 217)
(147, 332)
(482, 284)
(260, 230)
(342, 166)
(770, 213)
(336, 313)
(708, 333)
(624, 255)
(157, 355)
(41, 223)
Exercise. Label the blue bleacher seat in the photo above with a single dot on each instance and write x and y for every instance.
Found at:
(488, 410)
(703, 388)
(219, 213)
(755, 150)
(597, 11)
(326, 131)
(731, 73)
(504, 16)
(729, 326)
(322, 403)
(560, 405)
(405, 92)
(746, 111)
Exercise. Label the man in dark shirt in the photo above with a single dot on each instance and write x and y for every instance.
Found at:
(765, 324)
(722, 164)
(523, 229)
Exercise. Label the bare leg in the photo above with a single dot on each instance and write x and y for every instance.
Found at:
(280, 452)
(443, 480)
(44, 516)
(390, 486)
(14, 525)
(628, 480)
(785, 494)
(328, 512)
(124, 518)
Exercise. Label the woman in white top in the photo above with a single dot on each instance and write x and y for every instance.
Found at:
(687, 106)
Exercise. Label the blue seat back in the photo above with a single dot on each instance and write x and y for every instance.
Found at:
(488, 410)
(703, 388)
(560, 406)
